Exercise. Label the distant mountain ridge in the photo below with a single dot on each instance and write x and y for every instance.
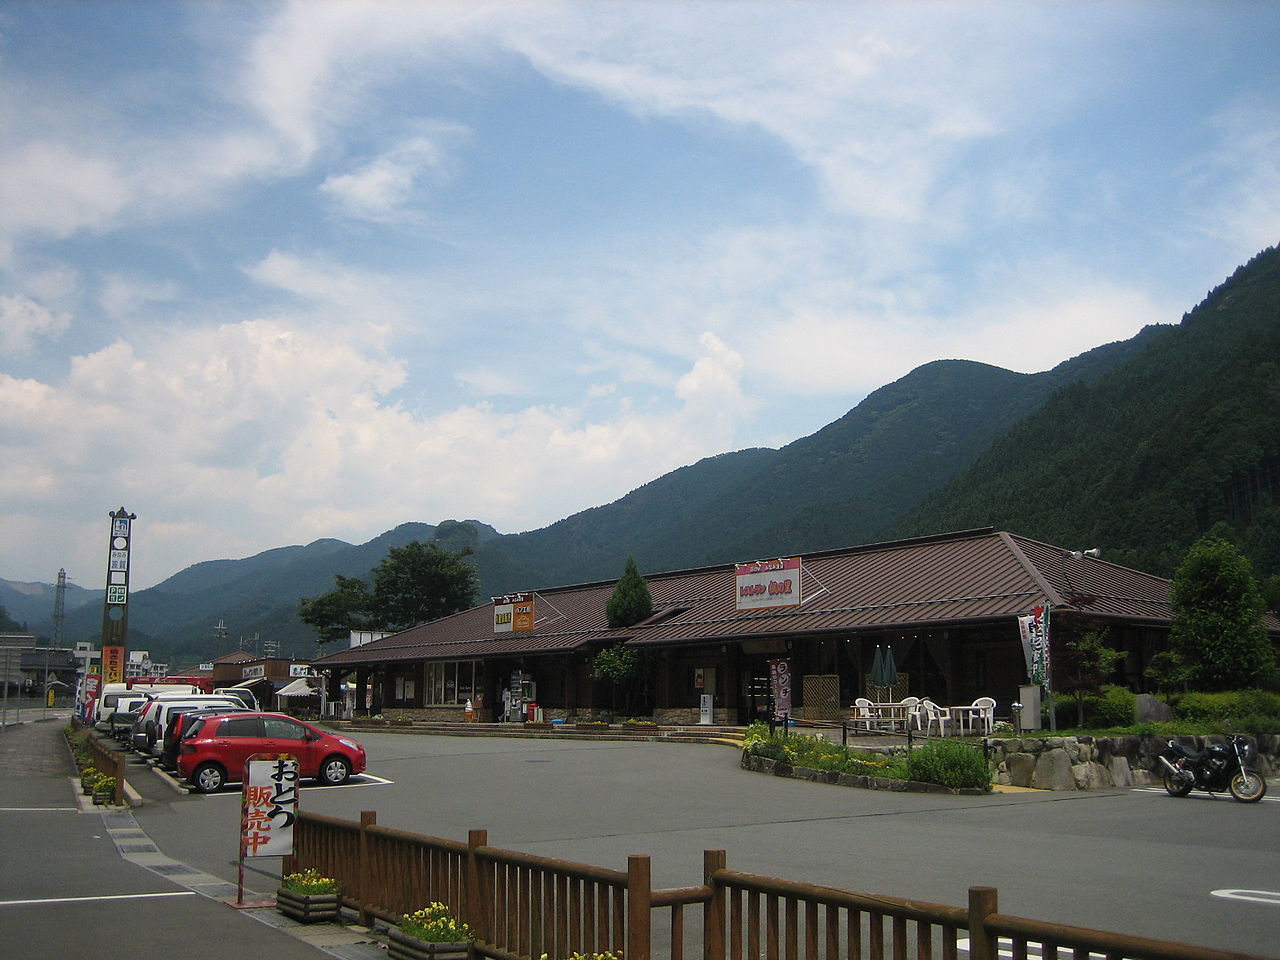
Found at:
(1136, 446)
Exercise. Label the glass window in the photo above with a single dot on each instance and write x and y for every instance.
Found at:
(450, 682)
(281, 729)
(239, 727)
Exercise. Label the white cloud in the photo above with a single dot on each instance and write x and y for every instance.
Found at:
(290, 433)
(121, 296)
(51, 190)
(380, 189)
(23, 321)
(1241, 172)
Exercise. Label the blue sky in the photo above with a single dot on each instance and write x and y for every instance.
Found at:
(275, 272)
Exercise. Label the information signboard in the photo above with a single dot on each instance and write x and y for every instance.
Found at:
(763, 584)
(269, 805)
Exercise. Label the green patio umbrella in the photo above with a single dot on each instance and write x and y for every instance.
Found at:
(890, 668)
(878, 668)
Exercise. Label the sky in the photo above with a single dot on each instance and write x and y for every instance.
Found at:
(272, 272)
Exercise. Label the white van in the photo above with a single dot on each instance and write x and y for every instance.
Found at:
(110, 695)
(149, 740)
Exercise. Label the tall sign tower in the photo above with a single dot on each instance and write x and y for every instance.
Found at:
(115, 608)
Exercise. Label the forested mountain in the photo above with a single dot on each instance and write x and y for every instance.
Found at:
(32, 603)
(1136, 447)
(1181, 439)
(842, 485)
(259, 595)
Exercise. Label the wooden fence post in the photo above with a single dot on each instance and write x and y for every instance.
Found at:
(367, 819)
(713, 909)
(476, 895)
(639, 904)
(983, 901)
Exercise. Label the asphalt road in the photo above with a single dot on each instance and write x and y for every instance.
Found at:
(1125, 860)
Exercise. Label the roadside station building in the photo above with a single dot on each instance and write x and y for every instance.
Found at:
(946, 606)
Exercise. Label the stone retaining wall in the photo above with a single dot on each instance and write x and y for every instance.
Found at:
(1093, 763)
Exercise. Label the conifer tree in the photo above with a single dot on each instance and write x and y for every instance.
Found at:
(631, 600)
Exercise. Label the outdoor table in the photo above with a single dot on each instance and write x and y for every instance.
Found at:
(892, 716)
(965, 717)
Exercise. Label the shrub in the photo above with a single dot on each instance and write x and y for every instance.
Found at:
(757, 731)
(818, 753)
(950, 764)
(435, 924)
(308, 881)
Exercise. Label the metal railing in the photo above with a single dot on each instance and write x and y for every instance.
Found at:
(521, 906)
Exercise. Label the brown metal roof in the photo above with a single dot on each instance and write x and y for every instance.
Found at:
(962, 578)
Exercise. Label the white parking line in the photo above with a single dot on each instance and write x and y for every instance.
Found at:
(117, 896)
(357, 780)
(1199, 794)
(1271, 897)
(1004, 948)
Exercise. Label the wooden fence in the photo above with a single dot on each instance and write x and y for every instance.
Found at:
(522, 906)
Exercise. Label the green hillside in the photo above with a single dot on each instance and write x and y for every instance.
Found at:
(842, 485)
(1181, 439)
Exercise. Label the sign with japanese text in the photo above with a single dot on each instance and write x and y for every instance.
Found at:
(513, 613)
(113, 664)
(1034, 631)
(269, 805)
(780, 686)
(764, 584)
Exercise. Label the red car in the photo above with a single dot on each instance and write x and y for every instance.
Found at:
(214, 750)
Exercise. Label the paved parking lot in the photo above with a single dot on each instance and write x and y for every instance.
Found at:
(1129, 860)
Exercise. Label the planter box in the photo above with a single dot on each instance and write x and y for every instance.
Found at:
(401, 946)
(307, 907)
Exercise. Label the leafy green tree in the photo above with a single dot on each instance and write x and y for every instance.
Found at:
(413, 584)
(1217, 627)
(335, 614)
(631, 600)
(1082, 662)
(7, 622)
(420, 582)
(626, 669)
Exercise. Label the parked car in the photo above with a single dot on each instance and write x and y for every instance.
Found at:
(122, 718)
(149, 729)
(243, 694)
(214, 750)
(179, 723)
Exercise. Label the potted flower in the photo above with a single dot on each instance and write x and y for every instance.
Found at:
(431, 932)
(88, 777)
(308, 897)
(104, 790)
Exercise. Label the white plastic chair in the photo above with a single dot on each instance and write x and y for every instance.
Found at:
(914, 712)
(863, 713)
(987, 713)
(934, 714)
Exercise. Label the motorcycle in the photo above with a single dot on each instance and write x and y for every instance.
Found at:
(1219, 767)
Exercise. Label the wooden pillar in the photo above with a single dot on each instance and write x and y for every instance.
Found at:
(713, 911)
(983, 901)
(639, 906)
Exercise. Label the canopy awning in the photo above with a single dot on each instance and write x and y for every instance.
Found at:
(298, 688)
